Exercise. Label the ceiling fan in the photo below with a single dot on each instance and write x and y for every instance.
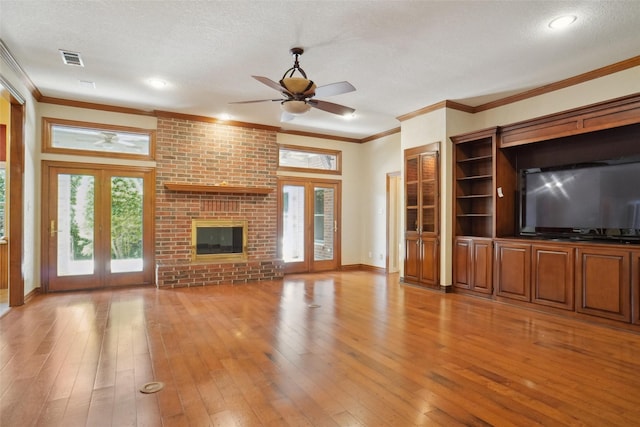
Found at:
(299, 92)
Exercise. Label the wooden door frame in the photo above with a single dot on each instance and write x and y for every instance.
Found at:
(398, 215)
(16, 197)
(149, 219)
(306, 182)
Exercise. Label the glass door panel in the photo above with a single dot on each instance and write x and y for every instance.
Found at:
(323, 224)
(126, 224)
(293, 236)
(308, 224)
(95, 231)
(75, 225)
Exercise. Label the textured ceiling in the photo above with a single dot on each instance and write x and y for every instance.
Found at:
(400, 55)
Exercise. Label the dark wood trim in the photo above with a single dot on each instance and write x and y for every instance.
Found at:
(197, 118)
(93, 106)
(319, 135)
(380, 135)
(372, 268)
(602, 115)
(16, 202)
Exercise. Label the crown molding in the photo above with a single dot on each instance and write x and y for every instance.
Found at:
(197, 118)
(94, 106)
(7, 57)
(571, 81)
(320, 135)
(381, 135)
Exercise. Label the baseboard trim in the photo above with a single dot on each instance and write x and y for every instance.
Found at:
(363, 267)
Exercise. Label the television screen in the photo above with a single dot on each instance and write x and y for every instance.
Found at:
(601, 201)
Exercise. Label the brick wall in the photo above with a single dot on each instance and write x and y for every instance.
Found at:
(205, 154)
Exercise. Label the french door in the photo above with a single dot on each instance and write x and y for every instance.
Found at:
(309, 224)
(97, 226)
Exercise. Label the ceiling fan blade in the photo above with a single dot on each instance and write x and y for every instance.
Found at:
(334, 89)
(330, 107)
(267, 81)
(257, 100)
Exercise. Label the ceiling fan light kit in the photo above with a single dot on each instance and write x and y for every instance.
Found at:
(295, 107)
(298, 92)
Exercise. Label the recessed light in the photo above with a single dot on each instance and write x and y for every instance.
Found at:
(349, 116)
(224, 116)
(157, 83)
(562, 21)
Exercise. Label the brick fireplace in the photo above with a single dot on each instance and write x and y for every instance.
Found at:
(212, 154)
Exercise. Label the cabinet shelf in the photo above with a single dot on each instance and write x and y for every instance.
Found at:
(476, 159)
(475, 196)
(474, 177)
(199, 188)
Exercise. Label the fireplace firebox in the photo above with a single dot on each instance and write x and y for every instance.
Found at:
(219, 240)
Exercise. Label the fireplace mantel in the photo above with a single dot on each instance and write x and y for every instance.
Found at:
(199, 188)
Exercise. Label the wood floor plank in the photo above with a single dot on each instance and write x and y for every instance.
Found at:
(372, 352)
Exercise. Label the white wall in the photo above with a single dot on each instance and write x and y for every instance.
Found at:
(379, 157)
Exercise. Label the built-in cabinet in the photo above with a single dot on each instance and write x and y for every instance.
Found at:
(603, 283)
(539, 273)
(473, 264)
(599, 280)
(422, 207)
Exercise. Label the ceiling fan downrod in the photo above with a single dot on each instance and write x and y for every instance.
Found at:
(296, 52)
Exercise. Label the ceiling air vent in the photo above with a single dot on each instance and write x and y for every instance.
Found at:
(71, 58)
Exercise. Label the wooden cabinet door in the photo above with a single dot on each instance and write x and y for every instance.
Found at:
(462, 263)
(482, 263)
(603, 283)
(429, 265)
(411, 258)
(552, 276)
(513, 270)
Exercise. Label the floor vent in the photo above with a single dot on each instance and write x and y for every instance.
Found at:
(71, 58)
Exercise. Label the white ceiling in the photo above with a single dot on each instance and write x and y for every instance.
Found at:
(400, 55)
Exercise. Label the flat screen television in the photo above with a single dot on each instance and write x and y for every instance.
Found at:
(599, 201)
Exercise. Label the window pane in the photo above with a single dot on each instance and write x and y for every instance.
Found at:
(308, 159)
(77, 138)
(126, 224)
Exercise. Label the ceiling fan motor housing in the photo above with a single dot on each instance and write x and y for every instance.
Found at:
(301, 88)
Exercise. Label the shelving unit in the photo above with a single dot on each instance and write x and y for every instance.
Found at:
(474, 159)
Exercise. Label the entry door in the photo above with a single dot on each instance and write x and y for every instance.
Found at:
(97, 227)
(309, 225)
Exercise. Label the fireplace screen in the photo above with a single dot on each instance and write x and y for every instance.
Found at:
(219, 240)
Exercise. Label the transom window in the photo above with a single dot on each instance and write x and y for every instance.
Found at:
(71, 137)
(308, 159)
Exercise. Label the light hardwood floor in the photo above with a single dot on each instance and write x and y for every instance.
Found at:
(374, 353)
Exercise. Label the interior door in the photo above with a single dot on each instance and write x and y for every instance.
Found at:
(98, 226)
(308, 224)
